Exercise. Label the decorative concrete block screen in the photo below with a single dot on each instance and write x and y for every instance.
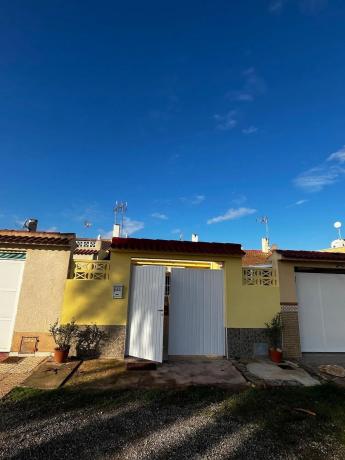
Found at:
(86, 244)
(259, 277)
(91, 270)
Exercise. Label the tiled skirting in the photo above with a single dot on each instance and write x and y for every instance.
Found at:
(114, 347)
(241, 341)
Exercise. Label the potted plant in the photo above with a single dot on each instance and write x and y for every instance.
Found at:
(63, 335)
(274, 331)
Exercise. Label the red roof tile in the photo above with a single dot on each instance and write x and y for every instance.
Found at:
(255, 257)
(142, 244)
(311, 255)
(85, 252)
(15, 237)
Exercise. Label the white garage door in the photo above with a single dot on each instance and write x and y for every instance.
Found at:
(196, 312)
(321, 299)
(10, 281)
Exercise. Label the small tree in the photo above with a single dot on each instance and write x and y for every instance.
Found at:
(63, 334)
(274, 330)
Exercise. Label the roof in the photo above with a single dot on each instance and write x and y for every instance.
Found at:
(311, 255)
(105, 246)
(255, 257)
(142, 244)
(22, 237)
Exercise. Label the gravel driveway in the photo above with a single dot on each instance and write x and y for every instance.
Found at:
(195, 423)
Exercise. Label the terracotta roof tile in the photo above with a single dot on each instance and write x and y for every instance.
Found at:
(142, 244)
(311, 255)
(36, 238)
(255, 257)
(85, 252)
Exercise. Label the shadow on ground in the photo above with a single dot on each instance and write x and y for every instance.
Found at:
(206, 422)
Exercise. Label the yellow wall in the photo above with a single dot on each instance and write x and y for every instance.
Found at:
(248, 306)
(91, 301)
(286, 275)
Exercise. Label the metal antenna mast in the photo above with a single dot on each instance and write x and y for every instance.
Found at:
(120, 209)
(264, 221)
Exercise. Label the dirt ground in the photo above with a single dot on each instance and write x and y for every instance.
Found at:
(112, 373)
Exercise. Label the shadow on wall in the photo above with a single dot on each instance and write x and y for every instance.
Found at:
(89, 341)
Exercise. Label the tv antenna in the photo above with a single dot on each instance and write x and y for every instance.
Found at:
(120, 210)
(264, 221)
(337, 226)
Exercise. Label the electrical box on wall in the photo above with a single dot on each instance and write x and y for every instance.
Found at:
(118, 291)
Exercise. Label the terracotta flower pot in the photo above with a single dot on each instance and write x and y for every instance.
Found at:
(60, 356)
(276, 355)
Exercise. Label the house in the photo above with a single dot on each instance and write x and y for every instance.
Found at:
(312, 299)
(33, 270)
(91, 249)
(158, 298)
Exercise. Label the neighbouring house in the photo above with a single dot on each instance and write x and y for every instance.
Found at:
(157, 298)
(33, 271)
(312, 298)
(92, 249)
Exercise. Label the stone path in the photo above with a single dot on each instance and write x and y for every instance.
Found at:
(14, 370)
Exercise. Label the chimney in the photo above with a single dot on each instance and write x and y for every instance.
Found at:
(116, 230)
(31, 225)
(265, 245)
(195, 237)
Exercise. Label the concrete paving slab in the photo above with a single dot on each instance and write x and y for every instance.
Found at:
(268, 371)
(173, 374)
(14, 371)
(50, 375)
(220, 373)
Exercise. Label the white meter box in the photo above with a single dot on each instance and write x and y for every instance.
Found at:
(118, 291)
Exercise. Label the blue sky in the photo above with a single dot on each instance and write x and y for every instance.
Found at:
(202, 115)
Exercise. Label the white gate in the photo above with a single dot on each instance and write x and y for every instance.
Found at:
(196, 312)
(321, 305)
(146, 313)
(10, 280)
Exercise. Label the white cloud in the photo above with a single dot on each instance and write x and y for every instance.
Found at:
(315, 179)
(297, 203)
(232, 214)
(194, 200)
(329, 172)
(226, 122)
(339, 155)
(159, 215)
(132, 226)
(198, 199)
(250, 130)
(176, 230)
